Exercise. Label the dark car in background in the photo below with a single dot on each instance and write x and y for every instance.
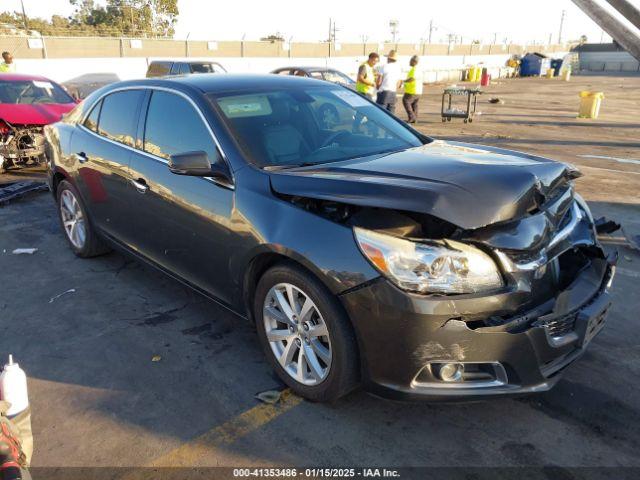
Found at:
(165, 68)
(365, 253)
(319, 73)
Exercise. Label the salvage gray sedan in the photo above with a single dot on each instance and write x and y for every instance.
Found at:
(365, 252)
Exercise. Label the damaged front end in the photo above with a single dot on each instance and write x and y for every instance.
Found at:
(493, 336)
(20, 145)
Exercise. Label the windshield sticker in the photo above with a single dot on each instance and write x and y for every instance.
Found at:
(45, 85)
(352, 98)
(245, 106)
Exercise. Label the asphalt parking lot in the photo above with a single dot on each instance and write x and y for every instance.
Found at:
(98, 399)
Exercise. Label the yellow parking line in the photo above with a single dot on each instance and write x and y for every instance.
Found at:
(187, 454)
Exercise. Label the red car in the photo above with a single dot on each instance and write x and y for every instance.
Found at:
(27, 104)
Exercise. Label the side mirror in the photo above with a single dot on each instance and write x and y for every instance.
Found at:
(197, 164)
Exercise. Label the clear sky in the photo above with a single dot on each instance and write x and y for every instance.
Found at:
(515, 20)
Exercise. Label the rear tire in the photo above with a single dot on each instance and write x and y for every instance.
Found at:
(330, 363)
(76, 224)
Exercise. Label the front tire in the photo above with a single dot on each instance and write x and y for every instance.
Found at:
(305, 334)
(79, 232)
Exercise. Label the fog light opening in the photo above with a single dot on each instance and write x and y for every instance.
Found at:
(449, 372)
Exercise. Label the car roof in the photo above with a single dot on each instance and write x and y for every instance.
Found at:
(310, 69)
(217, 83)
(21, 77)
(162, 60)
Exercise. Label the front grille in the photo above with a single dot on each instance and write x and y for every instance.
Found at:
(560, 326)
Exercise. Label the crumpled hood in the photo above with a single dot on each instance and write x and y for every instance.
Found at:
(470, 186)
(37, 114)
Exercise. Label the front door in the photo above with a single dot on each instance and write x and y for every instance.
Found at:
(183, 223)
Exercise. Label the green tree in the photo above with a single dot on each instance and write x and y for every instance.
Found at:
(140, 18)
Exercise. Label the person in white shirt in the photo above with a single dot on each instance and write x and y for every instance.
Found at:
(388, 82)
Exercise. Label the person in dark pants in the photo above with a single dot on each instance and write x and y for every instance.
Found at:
(388, 81)
(412, 91)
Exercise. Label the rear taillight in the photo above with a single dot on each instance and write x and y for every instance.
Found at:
(4, 128)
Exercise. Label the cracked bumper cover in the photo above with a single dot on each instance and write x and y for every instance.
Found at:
(400, 333)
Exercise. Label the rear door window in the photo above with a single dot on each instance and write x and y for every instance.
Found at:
(184, 68)
(175, 68)
(119, 116)
(174, 126)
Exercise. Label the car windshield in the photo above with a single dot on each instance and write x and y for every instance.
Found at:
(301, 126)
(337, 77)
(32, 92)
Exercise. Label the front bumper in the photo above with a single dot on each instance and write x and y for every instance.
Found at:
(404, 337)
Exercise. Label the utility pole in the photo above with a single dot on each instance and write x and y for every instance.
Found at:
(430, 30)
(628, 11)
(394, 30)
(619, 32)
(564, 13)
(24, 16)
(329, 37)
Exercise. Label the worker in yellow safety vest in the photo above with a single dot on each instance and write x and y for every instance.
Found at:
(7, 66)
(412, 90)
(366, 83)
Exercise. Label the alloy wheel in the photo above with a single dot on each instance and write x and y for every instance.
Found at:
(297, 334)
(72, 219)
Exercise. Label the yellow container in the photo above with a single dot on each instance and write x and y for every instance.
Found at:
(471, 75)
(566, 75)
(590, 104)
(478, 74)
(550, 72)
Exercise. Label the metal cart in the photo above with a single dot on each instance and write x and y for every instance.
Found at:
(472, 102)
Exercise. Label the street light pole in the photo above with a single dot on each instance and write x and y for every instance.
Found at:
(24, 16)
(564, 13)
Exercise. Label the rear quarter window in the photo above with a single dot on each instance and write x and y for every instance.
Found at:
(91, 122)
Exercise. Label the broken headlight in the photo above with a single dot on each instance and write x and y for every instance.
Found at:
(442, 266)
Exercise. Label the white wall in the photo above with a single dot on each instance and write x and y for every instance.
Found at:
(435, 67)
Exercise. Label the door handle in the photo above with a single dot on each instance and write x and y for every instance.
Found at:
(141, 185)
(81, 157)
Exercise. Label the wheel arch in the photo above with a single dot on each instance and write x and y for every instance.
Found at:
(57, 177)
(266, 259)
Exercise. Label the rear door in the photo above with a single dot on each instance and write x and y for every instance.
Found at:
(102, 147)
(183, 223)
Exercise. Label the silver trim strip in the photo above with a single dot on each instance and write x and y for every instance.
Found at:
(511, 266)
(499, 380)
(566, 231)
